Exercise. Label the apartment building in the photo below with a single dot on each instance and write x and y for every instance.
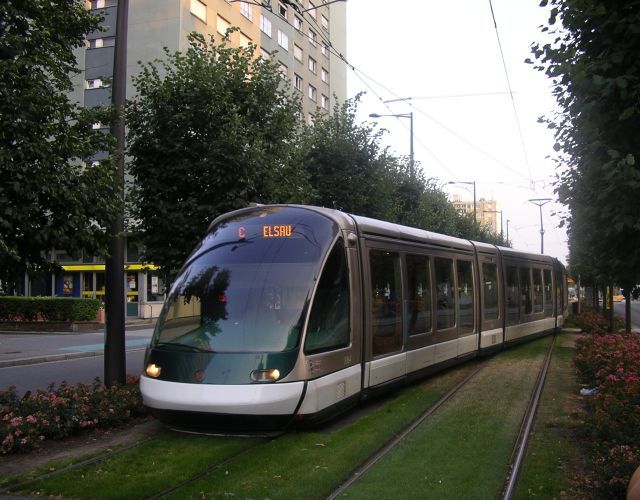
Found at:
(487, 212)
(305, 36)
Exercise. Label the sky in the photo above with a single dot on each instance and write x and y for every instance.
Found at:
(446, 57)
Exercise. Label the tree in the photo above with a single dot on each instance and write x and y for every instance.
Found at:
(211, 130)
(596, 77)
(49, 197)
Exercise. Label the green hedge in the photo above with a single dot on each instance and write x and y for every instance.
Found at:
(48, 309)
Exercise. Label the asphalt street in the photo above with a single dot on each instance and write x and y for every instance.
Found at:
(32, 361)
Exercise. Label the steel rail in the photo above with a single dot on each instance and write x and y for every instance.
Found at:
(520, 446)
(398, 438)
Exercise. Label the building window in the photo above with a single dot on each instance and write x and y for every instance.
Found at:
(312, 10)
(310, 119)
(265, 25)
(282, 9)
(297, 82)
(284, 71)
(222, 25)
(95, 83)
(324, 22)
(324, 49)
(313, 66)
(246, 10)
(312, 37)
(199, 10)
(283, 40)
(102, 4)
(297, 23)
(324, 102)
(244, 40)
(324, 74)
(313, 93)
(297, 52)
(98, 43)
(264, 54)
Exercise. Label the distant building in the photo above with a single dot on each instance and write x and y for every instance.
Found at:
(487, 212)
(304, 36)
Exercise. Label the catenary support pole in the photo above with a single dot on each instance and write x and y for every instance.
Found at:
(114, 346)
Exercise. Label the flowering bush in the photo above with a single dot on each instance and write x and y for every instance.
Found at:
(611, 362)
(591, 321)
(67, 410)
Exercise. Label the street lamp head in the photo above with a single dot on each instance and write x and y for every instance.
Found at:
(374, 115)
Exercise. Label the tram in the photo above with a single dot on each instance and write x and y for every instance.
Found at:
(289, 314)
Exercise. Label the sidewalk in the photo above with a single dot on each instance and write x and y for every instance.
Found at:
(26, 348)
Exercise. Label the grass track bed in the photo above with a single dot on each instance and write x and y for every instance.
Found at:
(553, 455)
(464, 449)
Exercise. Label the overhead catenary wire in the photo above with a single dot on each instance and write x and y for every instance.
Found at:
(513, 102)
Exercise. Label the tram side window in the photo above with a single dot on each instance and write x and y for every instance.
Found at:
(445, 298)
(559, 292)
(386, 302)
(548, 293)
(537, 291)
(465, 296)
(419, 281)
(513, 296)
(490, 291)
(329, 319)
(526, 305)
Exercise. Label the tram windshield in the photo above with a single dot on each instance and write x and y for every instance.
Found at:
(248, 286)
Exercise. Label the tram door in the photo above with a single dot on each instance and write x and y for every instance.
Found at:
(385, 317)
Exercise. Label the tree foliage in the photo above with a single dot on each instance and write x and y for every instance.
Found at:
(211, 130)
(592, 62)
(48, 198)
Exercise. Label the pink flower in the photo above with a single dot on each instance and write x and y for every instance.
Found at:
(31, 419)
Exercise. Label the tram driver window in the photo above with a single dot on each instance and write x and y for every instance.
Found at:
(329, 319)
(445, 298)
(386, 300)
(419, 285)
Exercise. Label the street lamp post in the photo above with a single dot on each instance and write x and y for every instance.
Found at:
(508, 220)
(541, 202)
(403, 115)
(475, 206)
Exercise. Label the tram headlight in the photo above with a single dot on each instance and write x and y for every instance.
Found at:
(153, 370)
(265, 375)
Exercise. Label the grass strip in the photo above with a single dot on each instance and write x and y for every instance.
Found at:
(464, 449)
(153, 466)
(553, 457)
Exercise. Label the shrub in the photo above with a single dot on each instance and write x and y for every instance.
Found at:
(612, 364)
(48, 309)
(67, 410)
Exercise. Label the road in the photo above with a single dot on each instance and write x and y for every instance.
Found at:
(618, 308)
(83, 351)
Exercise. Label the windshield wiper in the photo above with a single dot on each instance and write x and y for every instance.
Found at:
(183, 347)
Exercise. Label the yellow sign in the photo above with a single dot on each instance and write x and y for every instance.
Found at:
(282, 231)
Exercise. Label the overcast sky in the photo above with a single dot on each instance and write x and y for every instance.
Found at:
(446, 57)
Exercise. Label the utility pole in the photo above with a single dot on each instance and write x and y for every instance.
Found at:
(540, 202)
(114, 349)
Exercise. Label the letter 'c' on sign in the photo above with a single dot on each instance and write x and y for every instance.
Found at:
(241, 232)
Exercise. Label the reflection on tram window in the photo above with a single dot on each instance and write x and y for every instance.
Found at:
(538, 293)
(513, 296)
(490, 291)
(526, 300)
(419, 303)
(386, 300)
(445, 294)
(328, 326)
(548, 293)
(465, 296)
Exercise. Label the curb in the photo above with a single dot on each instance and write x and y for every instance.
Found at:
(54, 357)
